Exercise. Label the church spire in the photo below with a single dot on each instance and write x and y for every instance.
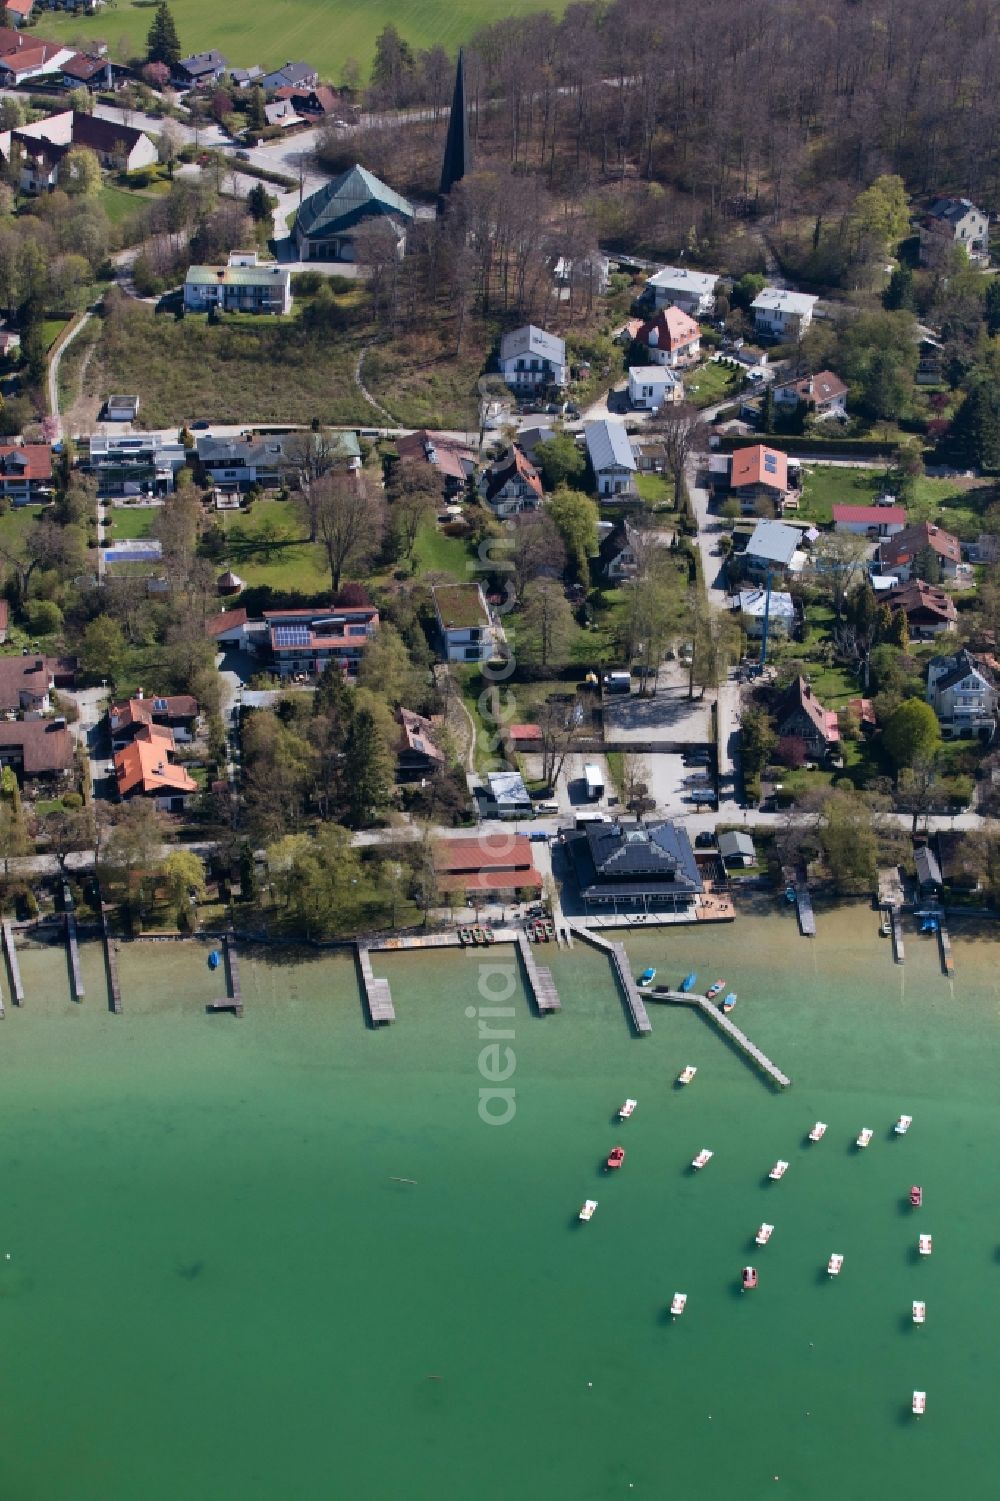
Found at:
(457, 146)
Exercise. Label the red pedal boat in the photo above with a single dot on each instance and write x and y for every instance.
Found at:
(916, 1196)
(617, 1157)
(749, 1278)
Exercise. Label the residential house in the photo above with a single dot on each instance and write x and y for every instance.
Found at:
(758, 477)
(618, 554)
(825, 394)
(652, 386)
(985, 549)
(506, 796)
(693, 291)
(18, 12)
(451, 461)
(26, 473)
(177, 713)
(949, 222)
(229, 628)
(200, 68)
(24, 55)
(874, 522)
(47, 142)
(303, 642)
(327, 222)
(26, 684)
(611, 458)
(902, 553)
(962, 692)
(470, 872)
(134, 463)
(36, 748)
(928, 871)
(671, 337)
(290, 75)
(782, 315)
(467, 629)
(772, 548)
(799, 715)
(634, 866)
(281, 112)
(754, 604)
(243, 285)
(585, 275)
(143, 768)
(736, 850)
(529, 437)
(533, 360)
(928, 609)
(315, 103)
(240, 464)
(511, 484)
(417, 756)
(86, 71)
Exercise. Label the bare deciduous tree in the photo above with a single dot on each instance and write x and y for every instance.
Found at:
(350, 521)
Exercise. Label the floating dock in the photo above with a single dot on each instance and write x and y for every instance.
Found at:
(377, 993)
(540, 981)
(619, 959)
(111, 964)
(896, 919)
(17, 989)
(737, 1037)
(74, 957)
(796, 882)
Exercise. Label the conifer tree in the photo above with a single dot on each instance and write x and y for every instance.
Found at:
(367, 767)
(163, 44)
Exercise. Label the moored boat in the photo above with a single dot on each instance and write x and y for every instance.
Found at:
(616, 1157)
(647, 977)
(834, 1264)
(686, 1074)
(764, 1234)
(749, 1278)
(779, 1170)
(884, 928)
(587, 1212)
(919, 1312)
(627, 1109)
(703, 1157)
(903, 1124)
(925, 1245)
(688, 982)
(916, 1196)
(713, 990)
(677, 1304)
(919, 1403)
(729, 1001)
(818, 1131)
(864, 1136)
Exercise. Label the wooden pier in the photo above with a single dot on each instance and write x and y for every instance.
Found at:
(74, 957)
(540, 981)
(233, 999)
(896, 919)
(377, 993)
(111, 964)
(944, 943)
(737, 1037)
(17, 989)
(619, 959)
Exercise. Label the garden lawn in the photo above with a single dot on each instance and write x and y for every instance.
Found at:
(654, 489)
(51, 329)
(949, 502)
(120, 204)
(712, 384)
(268, 546)
(132, 521)
(437, 553)
(322, 32)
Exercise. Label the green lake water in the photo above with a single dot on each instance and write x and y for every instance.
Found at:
(215, 1290)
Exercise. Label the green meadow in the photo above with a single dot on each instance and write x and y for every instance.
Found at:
(323, 32)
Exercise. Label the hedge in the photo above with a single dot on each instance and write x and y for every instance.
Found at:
(833, 448)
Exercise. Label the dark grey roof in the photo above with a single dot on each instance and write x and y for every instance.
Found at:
(928, 870)
(200, 63)
(962, 664)
(288, 76)
(619, 537)
(736, 843)
(608, 445)
(233, 452)
(632, 859)
(953, 210)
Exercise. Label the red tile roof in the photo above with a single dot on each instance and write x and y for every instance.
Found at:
(143, 766)
(228, 620)
(817, 389)
(871, 515)
(524, 734)
(671, 329)
(513, 465)
(471, 864)
(31, 461)
(136, 711)
(759, 466)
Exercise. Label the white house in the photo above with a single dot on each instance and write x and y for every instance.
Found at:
(653, 386)
(960, 690)
(511, 484)
(694, 291)
(754, 606)
(243, 285)
(532, 360)
(779, 314)
(869, 521)
(468, 632)
(954, 221)
(611, 458)
(671, 337)
(773, 547)
(824, 394)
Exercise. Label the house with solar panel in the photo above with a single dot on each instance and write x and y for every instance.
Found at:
(304, 642)
(327, 222)
(178, 713)
(133, 463)
(243, 285)
(758, 478)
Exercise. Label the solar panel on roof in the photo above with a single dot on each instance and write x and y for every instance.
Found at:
(160, 705)
(771, 463)
(291, 635)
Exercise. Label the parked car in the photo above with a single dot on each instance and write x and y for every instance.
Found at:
(705, 840)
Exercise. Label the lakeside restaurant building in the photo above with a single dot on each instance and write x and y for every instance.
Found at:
(634, 866)
(494, 869)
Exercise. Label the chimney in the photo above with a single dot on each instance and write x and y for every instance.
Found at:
(809, 388)
(808, 692)
(138, 694)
